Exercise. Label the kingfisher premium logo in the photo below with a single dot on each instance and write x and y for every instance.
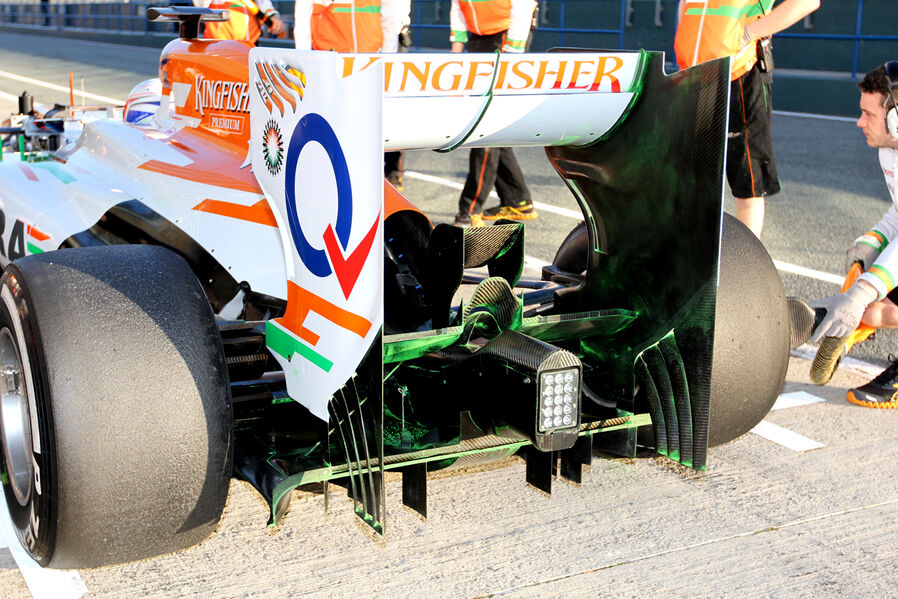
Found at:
(216, 94)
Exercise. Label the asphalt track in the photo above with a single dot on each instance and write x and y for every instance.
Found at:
(800, 508)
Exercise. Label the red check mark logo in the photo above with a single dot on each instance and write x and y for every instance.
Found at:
(348, 269)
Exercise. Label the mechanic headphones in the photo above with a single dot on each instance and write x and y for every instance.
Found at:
(891, 107)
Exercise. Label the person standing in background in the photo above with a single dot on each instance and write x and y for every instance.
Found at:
(247, 18)
(709, 29)
(355, 26)
(394, 161)
(488, 26)
(350, 25)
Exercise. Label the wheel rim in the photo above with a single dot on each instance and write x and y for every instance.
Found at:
(15, 421)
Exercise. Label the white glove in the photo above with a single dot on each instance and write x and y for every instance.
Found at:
(843, 311)
(865, 250)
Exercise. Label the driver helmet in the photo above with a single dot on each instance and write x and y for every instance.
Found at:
(143, 102)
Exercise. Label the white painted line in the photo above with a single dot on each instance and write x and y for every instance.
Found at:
(438, 180)
(10, 97)
(795, 399)
(60, 88)
(7, 536)
(43, 583)
(531, 262)
(574, 214)
(823, 117)
(807, 272)
(785, 437)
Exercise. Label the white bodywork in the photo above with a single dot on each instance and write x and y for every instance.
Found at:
(103, 168)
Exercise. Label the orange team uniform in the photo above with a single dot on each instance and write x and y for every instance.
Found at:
(713, 29)
(490, 17)
(349, 25)
(246, 19)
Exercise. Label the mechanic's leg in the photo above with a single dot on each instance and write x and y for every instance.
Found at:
(393, 167)
(514, 197)
(882, 391)
(882, 315)
(751, 162)
(510, 184)
(750, 212)
(482, 164)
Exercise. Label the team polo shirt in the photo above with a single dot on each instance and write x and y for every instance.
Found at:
(488, 17)
(713, 29)
(349, 25)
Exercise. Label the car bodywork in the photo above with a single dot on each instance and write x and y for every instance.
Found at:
(351, 349)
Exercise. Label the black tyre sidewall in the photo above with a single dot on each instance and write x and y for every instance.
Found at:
(572, 253)
(137, 396)
(34, 523)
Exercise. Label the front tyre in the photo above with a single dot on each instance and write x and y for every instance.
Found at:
(115, 416)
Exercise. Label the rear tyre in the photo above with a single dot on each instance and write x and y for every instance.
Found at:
(115, 414)
(751, 336)
(751, 331)
(573, 251)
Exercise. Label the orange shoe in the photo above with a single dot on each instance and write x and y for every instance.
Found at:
(881, 392)
(522, 212)
(468, 221)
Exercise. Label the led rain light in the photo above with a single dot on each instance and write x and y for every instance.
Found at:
(558, 399)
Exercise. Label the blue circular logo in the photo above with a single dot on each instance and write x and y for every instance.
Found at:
(313, 128)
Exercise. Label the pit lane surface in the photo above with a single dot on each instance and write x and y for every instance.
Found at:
(809, 513)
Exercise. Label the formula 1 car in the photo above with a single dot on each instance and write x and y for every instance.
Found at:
(225, 285)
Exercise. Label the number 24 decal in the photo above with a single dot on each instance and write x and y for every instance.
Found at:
(14, 248)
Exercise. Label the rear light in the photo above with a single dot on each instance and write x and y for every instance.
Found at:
(559, 400)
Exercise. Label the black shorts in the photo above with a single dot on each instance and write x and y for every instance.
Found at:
(751, 166)
(491, 43)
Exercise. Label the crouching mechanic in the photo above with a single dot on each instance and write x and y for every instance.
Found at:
(873, 299)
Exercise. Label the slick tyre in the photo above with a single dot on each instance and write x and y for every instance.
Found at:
(573, 251)
(751, 336)
(115, 419)
(751, 330)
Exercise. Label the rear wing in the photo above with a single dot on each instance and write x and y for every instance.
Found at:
(445, 101)
(651, 190)
(642, 154)
(353, 107)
